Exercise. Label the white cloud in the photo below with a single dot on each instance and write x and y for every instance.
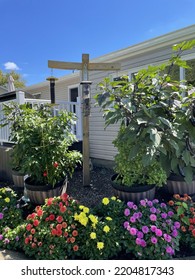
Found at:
(11, 66)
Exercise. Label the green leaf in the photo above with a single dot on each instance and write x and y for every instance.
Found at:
(184, 204)
(186, 220)
(180, 210)
(165, 121)
(155, 137)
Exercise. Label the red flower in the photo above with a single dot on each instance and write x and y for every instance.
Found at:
(30, 237)
(40, 212)
(40, 244)
(74, 233)
(52, 217)
(59, 219)
(49, 201)
(73, 226)
(26, 240)
(28, 227)
(36, 223)
(45, 174)
(55, 164)
(59, 232)
(191, 227)
(64, 197)
(72, 239)
(34, 245)
(64, 225)
(75, 248)
(66, 234)
(54, 231)
(32, 231)
(63, 209)
(59, 227)
(193, 232)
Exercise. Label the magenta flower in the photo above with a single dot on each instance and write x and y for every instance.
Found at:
(135, 207)
(153, 217)
(142, 202)
(133, 231)
(126, 212)
(153, 228)
(136, 215)
(177, 225)
(138, 241)
(145, 229)
(126, 224)
(163, 205)
(169, 250)
(1, 237)
(167, 237)
(153, 210)
(140, 234)
(1, 216)
(154, 240)
(158, 232)
(143, 243)
(175, 233)
(164, 215)
(155, 201)
(132, 219)
(170, 213)
(130, 204)
(150, 204)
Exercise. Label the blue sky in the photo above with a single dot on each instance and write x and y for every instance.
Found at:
(35, 31)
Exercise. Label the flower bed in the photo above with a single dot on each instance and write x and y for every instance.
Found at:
(64, 229)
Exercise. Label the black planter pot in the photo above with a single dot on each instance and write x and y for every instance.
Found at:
(177, 185)
(38, 193)
(133, 193)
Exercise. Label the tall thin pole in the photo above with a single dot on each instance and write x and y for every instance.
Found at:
(86, 169)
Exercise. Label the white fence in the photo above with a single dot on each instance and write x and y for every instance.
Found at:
(74, 107)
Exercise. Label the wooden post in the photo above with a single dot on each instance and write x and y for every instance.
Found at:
(85, 66)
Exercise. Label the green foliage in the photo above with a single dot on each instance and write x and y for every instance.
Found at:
(18, 81)
(10, 213)
(42, 142)
(132, 164)
(159, 113)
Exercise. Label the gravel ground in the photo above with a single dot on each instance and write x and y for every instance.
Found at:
(100, 186)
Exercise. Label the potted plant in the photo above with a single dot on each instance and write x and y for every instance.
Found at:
(13, 116)
(156, 116)
(44, 140)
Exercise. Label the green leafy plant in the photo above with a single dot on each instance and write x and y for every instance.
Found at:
(10, 212)
(156, 113)
(42, 142)
(51, 232)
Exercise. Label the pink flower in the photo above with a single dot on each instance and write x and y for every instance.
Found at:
(169, 250)
(153, 228)
(138, 241)
(133, 231)
(126, 212)
(143, 243)
(145, 229)
(153, 217)
(158, 232)
(154, 240)
(132, 219)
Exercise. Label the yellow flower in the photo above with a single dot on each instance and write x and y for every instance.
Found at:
(93, 219)
(81, 207)
(108, 218)
(7, 199)
(113, 197)
(106, 229)
(105, 200)
(85, 209)
(93, 235)
(100, 245)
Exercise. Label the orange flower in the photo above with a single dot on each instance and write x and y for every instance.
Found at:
(32, 231)
(72, 239)
(171, 203)
(74, 233)
(183, 229)
(176, 196)
(75, 248)
(64, 225)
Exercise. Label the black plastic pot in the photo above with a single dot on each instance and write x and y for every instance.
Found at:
(134, 193)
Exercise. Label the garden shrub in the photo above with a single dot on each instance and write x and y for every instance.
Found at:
(184, 209)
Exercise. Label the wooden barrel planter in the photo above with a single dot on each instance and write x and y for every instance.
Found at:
(133, 193)
(18, 179)
(38, 193)
(177, 185)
